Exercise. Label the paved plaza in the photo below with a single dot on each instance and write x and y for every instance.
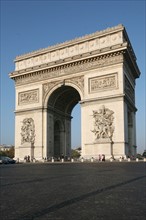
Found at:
(73, 191)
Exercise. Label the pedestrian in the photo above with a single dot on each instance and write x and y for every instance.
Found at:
(99, 157)
(28, 158)
(103, 157)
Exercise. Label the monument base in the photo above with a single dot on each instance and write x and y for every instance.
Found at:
(26, 150)
(106, 147)
(97, 148)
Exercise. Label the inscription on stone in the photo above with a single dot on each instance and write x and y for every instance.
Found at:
(28, 97)
(100, 83)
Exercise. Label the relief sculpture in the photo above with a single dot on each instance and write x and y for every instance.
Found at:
(103, 123)
(28, 131)
(28, 97)
(100, 83)
(66, 69)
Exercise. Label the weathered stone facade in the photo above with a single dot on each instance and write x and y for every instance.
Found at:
(98, 71)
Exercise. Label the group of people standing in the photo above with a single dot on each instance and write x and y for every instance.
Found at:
(101, 157)
(27, 158)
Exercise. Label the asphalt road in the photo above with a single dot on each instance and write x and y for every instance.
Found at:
(73, 191)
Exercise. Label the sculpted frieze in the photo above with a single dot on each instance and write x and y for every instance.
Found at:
(103, 123)
(48, 86)
(78, 81)
(75, 67)
(28, 97)
(47, 55)
(103, 83)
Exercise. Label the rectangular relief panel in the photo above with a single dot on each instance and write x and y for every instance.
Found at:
(101, 83)
(28, 97)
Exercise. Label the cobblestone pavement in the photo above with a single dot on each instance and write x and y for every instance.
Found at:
(73, 191)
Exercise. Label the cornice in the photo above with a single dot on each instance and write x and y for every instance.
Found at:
(69, 68)
(103, 52)
(27, 110)
(86, 45)
(71, 42)
(91, 51)
(84, 101)
(132, 63)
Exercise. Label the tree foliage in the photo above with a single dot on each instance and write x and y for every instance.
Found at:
(75, 153)
(8, 153)
(144, 154)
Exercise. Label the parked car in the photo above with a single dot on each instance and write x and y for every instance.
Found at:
(144, 154)
(6, 160)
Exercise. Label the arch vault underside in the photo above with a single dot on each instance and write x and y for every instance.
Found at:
(60, 105)
(99, 72)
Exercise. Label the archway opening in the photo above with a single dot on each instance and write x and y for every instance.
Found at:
(76, 127)
(59, 109)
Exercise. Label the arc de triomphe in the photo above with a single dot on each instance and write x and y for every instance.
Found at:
(99, 72)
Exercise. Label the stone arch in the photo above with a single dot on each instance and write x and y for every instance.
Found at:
(97, 69)
(56, 85)
(60, 102)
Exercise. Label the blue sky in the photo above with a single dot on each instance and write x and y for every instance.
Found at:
(30, 25)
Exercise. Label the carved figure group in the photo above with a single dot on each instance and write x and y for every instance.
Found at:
(28, 97)
(28, 131)
(103, 124)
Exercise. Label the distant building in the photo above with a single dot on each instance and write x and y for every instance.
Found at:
(5, 147)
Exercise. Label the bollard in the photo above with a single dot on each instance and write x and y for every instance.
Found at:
(72, 160)
(92, 160)
(52, 160)
(111, 160)
(137, 159)
(120, 160)
(144, 159)
(82, 160)
(128, 159)
(62, 160)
